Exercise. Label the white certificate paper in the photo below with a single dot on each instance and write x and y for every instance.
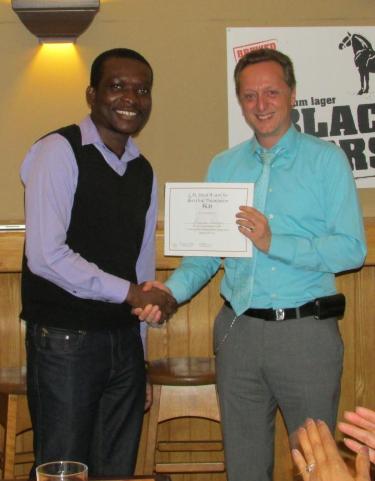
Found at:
(200, 219)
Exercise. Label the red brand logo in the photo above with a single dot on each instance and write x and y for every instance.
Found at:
(250, 47)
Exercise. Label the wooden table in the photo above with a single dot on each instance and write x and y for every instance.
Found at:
(153, 477)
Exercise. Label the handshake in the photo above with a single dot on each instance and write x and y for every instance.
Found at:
(151, 301)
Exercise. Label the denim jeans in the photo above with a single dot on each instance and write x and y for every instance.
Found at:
(86, 392)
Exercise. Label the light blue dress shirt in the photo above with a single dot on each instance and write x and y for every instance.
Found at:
(315, 219)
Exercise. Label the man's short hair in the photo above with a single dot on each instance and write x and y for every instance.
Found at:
(266, 55)
(97, 65)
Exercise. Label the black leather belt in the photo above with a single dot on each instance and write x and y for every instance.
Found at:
(305, 310)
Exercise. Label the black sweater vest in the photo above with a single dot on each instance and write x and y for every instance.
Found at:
(106, 228)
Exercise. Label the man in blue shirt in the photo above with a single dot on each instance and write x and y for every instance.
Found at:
(277, 342)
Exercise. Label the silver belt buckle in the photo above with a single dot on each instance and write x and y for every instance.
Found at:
(280, 314)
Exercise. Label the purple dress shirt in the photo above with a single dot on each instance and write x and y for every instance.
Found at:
(50, 173)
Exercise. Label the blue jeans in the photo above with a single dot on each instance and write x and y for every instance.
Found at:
(86, 393)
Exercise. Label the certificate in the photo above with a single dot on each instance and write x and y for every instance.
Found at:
(200, 219)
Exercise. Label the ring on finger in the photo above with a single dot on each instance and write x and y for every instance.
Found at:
(310, 467)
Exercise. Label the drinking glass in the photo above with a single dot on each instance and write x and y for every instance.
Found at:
(62, 471)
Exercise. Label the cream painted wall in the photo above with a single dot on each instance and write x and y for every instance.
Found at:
(185, 43)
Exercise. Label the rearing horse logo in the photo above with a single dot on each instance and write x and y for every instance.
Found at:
(364, 57)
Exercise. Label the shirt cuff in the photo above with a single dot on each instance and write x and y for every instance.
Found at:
(178, 291)
(115, 290)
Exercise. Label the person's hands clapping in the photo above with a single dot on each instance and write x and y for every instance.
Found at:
(360, 425)
(319, 459)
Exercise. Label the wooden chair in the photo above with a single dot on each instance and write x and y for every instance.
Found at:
(15, 419)
(182, 387)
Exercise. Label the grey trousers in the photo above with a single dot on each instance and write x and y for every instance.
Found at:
(295, 365)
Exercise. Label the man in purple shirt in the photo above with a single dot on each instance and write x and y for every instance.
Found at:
(90, 223)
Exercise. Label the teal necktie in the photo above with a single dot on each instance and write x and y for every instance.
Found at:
(245, 268)
(261, 185)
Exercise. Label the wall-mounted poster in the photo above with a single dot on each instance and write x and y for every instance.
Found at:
(335, 72)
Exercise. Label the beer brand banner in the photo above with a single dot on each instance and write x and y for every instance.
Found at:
(335, 72)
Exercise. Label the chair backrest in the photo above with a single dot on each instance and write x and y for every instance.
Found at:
(12, 352)
(14, 414)
(187, 341)
(14, 419)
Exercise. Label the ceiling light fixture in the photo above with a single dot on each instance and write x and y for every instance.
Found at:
(56, 20)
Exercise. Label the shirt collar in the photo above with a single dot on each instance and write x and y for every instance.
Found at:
(90, 135)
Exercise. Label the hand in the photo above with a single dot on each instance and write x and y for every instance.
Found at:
(320, 453)
(151, 313)
(148, 400)
(140, 297)
(254, 225)
(361, 426)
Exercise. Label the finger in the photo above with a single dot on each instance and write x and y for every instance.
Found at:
(245, 223)
(162, 287)
(136, 311)
(293, 440)
(317, 453)
(147, 286)
(250, 213)
(362, 465)
(324, 449)
(367, 414)
(306, 445)
(300, 463)
(350, 429)
(248, 232)
(240, 217)
(163, 317)
(143, 312)
(249, 219)
(360, 434)
(248, 210)
(355, 446)
(358, 420)
(328, 446)
(245, 220)
(153, 316)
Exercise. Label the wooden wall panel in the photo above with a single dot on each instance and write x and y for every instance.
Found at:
(189, 332)
(364, 341)
(12, 352)
(347, 285)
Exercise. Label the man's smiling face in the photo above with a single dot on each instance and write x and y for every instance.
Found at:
(121, 103)
(266, 101)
